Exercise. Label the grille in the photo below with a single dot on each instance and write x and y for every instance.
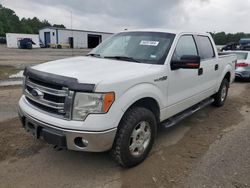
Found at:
(53, 99)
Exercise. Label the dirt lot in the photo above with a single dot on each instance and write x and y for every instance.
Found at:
(13, 60)
(21, 57)
(209, 149)
(6, 71)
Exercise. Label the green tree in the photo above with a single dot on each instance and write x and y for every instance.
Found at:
(59, 26)
(10, 23)
(221, 38)
(33, 25)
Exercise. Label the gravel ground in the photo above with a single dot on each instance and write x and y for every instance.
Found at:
(19, 58)
(12, 60)
(208, 149)
(8, 102)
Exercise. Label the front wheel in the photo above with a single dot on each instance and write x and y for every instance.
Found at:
(135, 137)
(221, 96)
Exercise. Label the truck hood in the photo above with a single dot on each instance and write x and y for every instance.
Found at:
(92, 70)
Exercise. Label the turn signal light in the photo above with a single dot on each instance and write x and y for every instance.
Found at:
(108, 100)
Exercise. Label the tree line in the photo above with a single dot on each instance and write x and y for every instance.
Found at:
(222, 38)
(10, 23)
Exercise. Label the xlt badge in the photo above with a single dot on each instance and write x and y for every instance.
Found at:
(161, 79)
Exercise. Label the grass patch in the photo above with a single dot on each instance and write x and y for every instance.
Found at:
(6, 71)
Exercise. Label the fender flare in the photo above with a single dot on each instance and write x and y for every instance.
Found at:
(227, 69)
(140, 91)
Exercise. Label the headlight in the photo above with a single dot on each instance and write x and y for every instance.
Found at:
(91, 103)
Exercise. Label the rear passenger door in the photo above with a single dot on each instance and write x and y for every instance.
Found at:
(208, 72)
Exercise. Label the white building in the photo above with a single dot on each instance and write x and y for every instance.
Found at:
(13, 38)
(74, 38)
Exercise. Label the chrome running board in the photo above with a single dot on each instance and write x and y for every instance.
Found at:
(186, 113)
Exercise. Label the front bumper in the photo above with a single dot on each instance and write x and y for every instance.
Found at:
(66, 138)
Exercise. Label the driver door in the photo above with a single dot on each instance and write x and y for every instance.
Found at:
(183, 83)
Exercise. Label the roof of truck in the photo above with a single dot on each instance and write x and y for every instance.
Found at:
(163, 30)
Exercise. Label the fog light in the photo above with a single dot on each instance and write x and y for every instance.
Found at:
(85, 142)
(81, 142)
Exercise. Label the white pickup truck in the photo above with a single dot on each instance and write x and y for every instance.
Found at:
(116, 97)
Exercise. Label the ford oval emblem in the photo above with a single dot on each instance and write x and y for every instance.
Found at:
(36, 93)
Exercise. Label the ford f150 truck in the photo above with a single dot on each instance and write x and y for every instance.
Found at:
(116, 97)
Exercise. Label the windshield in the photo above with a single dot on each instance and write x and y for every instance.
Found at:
(142, 47)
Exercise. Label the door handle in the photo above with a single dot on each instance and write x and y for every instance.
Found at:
(216, 67)
(200, 71)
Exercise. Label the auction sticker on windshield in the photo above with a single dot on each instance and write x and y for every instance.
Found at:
(149, 43)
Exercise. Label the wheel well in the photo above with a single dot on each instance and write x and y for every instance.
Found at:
(228, 76)
(150, 104)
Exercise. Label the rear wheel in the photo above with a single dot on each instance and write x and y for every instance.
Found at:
(135, 137)
(221, 96)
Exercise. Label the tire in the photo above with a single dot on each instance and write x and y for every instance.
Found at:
(29, 45)
(221, 96)
(135, 137)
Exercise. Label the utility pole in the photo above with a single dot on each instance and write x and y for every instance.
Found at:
(71, 27)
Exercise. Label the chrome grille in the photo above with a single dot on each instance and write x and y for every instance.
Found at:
(49, 98)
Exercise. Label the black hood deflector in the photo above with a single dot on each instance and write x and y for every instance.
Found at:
(58, 80)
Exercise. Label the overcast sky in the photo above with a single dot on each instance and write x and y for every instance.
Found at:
(116, 15)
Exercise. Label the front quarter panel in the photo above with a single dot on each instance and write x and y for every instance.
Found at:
(140, 91)
(128, 91)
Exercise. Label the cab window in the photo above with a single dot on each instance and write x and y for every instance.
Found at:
(186, 46)
(206, 50)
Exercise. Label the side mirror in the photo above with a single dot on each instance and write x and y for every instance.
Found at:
(186, 62)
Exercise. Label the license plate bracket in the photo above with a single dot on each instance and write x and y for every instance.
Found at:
(31, 128)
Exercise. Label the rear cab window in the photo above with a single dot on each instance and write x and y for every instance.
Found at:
(205, 47)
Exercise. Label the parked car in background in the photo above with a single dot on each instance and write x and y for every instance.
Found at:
(25, 43)
(243, 63)
(244, 44)
(2, 40)
(230, 46)
(115, 98)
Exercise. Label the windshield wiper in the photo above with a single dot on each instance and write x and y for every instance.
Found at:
(94, 55)
(124, 58)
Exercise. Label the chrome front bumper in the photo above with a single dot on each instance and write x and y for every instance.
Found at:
(70, 139)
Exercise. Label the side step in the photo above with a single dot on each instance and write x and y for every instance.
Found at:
(182, 115)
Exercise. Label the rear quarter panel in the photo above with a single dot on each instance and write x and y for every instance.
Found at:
(226, 64)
